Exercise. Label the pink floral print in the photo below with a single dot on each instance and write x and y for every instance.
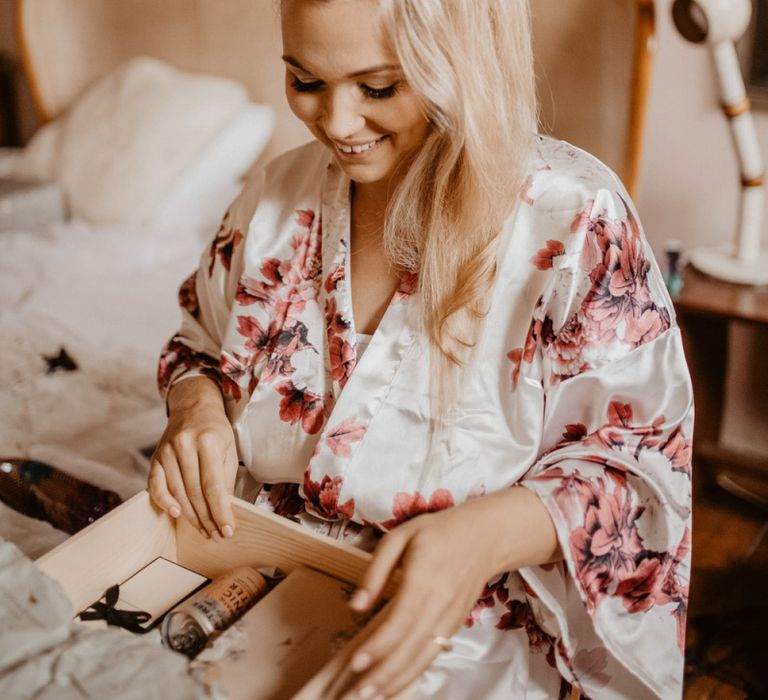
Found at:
(617, 309)
(343, 359)
(335, 323)
(282, 291)
(301, 406)
(336, 276)
(528, 352)
(678, 451)
(517, 615)
(285, 344)
(609, 555)
(607, 546)
(323, 497)
(224, 244)
(177, 357)
(409, 505)
(286, 286)
(234, 369)
(610, 558)
(343, 435)
(342, 355)
(188, 295)
(259, 341)
(285, 500)
(543, 259)
(620, 433)
(525, 196)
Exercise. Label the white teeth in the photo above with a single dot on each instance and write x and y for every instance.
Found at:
(356, 149)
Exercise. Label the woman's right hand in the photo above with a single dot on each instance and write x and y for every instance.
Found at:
(195, 463)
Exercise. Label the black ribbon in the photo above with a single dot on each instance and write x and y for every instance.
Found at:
(130, 620)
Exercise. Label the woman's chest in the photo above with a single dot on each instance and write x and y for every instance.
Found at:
(359, 432)
(372, 283)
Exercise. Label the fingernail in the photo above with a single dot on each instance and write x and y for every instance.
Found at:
(360, 599)
(360, 662)
(174, 511)
(227, 531)
(367, 692)
(205, 534)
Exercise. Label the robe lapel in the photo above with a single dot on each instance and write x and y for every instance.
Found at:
(359, 388)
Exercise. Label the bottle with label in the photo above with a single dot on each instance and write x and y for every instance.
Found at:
(188, 627)
(45, 492)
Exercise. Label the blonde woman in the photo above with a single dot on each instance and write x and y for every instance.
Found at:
(434, 324)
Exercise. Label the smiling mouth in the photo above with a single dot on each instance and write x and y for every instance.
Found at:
(360, 149)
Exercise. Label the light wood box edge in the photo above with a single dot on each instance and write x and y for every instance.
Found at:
(129, 537)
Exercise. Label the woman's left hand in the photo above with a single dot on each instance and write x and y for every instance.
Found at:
(446, 558)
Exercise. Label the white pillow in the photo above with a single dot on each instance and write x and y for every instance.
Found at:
(127, 143)
(203, 192)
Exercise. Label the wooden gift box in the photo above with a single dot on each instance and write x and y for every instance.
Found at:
(134, 534)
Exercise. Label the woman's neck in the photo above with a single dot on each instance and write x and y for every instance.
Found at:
(369, 206)
(373, 281)
(371, 197)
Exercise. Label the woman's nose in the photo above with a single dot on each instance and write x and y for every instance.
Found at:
(342, 116)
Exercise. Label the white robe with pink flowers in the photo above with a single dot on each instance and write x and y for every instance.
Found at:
(578, 390)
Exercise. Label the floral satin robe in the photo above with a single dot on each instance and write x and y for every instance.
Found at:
(578, 391)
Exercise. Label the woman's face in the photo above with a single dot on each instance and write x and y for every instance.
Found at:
(344, 82)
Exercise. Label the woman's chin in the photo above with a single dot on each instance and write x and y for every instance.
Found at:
(364, 173)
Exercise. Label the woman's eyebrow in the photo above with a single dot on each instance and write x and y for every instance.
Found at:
(366, 71)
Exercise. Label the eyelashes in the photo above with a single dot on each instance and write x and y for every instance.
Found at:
(379, 93)
(373, 93)
(301, 86)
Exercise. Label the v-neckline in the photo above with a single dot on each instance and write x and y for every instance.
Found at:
(396, 322)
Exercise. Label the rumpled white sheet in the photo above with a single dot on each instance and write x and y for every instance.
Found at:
(45, 656)
(107, 295)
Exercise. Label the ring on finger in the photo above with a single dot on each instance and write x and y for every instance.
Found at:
(443, 642)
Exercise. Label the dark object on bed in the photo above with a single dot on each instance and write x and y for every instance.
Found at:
(42, 491)
(9, 122)
(61, 361)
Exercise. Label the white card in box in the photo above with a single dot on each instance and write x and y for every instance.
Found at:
(153, 590)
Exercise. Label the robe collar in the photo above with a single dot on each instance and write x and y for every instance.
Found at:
(359, 386)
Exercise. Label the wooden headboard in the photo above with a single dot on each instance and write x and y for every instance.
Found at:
(593, 59)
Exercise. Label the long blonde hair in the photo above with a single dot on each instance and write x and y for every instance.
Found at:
(472, 64)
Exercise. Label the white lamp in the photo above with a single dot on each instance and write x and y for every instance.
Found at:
(719, 23)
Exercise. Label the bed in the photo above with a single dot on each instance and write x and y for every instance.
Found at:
(102, 285)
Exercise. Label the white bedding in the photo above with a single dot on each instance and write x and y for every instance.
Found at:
(107, 293)
(108, 296)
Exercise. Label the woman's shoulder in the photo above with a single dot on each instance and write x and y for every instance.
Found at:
(294, 175)
(562, 177)
(575, 237)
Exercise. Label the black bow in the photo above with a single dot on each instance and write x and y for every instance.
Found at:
(130, 620)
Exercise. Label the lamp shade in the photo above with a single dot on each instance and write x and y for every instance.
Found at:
(711, 21)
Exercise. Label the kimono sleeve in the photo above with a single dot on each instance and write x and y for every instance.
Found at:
(614, 467)
(206, 298)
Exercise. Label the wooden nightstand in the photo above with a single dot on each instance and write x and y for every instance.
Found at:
(706, 308)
